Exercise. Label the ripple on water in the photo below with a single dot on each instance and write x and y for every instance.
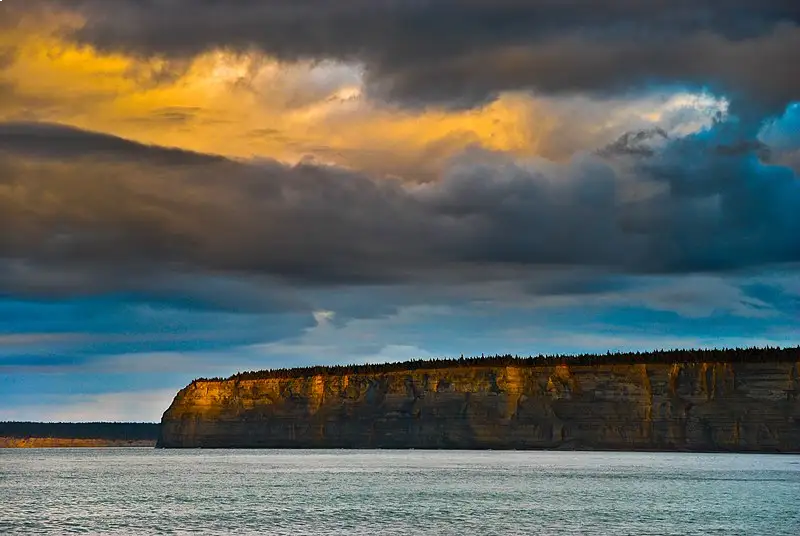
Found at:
(146, 491)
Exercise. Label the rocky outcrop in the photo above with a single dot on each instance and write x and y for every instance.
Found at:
(681, 406)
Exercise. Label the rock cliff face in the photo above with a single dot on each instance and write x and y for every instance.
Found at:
(713, 406)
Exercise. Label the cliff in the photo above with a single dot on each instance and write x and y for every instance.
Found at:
(692, 406)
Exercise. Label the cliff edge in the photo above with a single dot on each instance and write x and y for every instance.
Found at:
(686, 406)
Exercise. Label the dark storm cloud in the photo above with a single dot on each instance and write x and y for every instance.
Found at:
(69, 217)
(74, 222)
(46, 140)
(461, 52)
(722, 206)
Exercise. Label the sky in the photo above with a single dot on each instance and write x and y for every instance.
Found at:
(192, 188)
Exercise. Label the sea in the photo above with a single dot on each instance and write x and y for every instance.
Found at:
(130, 491)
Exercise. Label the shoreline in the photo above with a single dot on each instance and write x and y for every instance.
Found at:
(59, 442)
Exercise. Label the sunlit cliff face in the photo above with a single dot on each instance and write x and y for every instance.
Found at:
(742, 407)
(189, 189)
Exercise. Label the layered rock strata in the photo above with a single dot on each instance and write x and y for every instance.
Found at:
(686, 407)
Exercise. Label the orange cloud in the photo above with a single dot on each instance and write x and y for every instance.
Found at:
(246, 106)
(252, 106)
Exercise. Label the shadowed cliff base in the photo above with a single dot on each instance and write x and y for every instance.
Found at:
(68, 434)
(742, 400)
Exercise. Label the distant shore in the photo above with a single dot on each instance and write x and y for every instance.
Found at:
(65, 435)
(61, 442)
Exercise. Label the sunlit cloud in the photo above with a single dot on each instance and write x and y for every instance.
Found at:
(248, 105)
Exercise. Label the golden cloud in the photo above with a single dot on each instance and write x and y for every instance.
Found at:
(247, 106)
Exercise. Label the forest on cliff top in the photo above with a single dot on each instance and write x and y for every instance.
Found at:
(724, 355)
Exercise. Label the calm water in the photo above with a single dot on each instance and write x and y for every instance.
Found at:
(145, 491)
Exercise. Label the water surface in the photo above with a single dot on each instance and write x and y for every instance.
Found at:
(147, 491)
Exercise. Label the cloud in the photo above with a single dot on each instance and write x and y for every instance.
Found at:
(461, 53)
(94, 213)
(701, 297)
(689, 296)
(50, 141)
(133, 406)
(91, 223)
(247, 104)
(324, 317)
(780, 135)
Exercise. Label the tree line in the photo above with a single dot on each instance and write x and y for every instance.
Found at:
(122, 431)
(724, 355)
